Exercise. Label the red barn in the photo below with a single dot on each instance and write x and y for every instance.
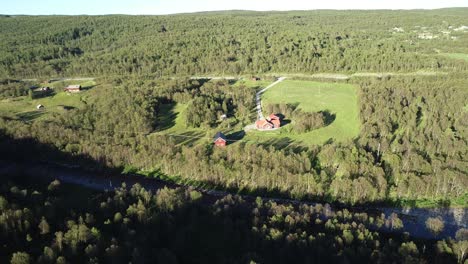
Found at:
(220, 140)
(275, 120)
(263, 124)
(72, 88)
(272, 122)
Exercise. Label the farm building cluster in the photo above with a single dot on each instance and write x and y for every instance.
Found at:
(271, 122)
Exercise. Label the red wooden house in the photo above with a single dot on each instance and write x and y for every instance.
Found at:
(220, 140)
(263, 124)
(272, 122)
(275, 120)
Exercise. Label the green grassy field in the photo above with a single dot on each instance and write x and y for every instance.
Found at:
(339, 99)
(25, 108)
(459, 56)
(171, 121)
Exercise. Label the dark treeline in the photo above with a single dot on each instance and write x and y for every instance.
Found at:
(412, 144)
(228, 43)
(11, 89)
(58, 223)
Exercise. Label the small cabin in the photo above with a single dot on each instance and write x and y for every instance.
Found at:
(72, 88)
(220, 140)
(255, 78)
(39, 107)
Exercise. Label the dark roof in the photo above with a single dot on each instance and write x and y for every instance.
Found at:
(219, 135)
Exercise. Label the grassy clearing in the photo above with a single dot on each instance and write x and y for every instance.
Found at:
(25, 108)
(339, 99)
(171, 121)
(458, 56)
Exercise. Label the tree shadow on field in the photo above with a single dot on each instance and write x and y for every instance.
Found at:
(166, 116)
(328, 117)
(87, 87)
(188, 138)
(284, 143)
(30, 115)
(234, 137)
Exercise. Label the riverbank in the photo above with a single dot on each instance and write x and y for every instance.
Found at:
(413, 218)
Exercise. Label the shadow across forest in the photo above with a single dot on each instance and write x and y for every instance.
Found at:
(30, 115)
(187, 138)
(88, 87)
(31, 151)
(283, 143)
(234, 137)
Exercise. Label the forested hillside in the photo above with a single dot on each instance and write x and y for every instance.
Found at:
(411, 148)
(412, 145)
(232, 43)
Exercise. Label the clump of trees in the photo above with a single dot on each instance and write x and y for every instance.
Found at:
(307, 121)
(9, 89)
(216, 98)
(435, 225)
(301, 121)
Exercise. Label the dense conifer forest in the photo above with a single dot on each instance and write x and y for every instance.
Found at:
(412, 144)
(230, 43)
(57, 223)
(149, 106)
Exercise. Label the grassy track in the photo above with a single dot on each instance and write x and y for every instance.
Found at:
(338, 99)
(253, 84)
(459, 56)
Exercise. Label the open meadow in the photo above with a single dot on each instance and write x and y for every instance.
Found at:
(57, 101)
(341, 100)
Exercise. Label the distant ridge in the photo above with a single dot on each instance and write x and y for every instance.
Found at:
(462, 10)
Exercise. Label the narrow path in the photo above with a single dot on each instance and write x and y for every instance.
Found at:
(258, 97)
(323, 75)
(63, 79)
(214, 78)
(347, 76)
